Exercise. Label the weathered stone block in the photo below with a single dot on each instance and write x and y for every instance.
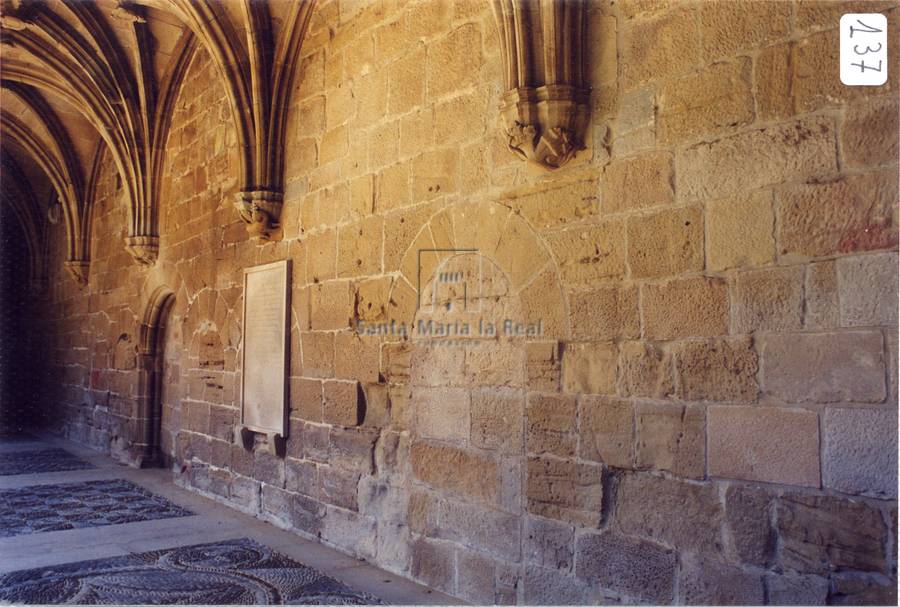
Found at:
(869, 133)
(497, 420)
(645, 369)
(868, 290)
(773, 82)
(605, 313)
(592, 254)
(728, 27)
(822, 296)
(453, 62)
(671, 438)
(590, 368)
(753, 159)
(820, 534)
(705, 581)
(343, 403)
(690, 307)
(490, 531)
(767, 444)
(825, 368)
(720, 370)
(666, 243)
(442, 413)
(794, 589)
(662, 47)
(606, 431)
(550, 425)
(767, 300)
(860, 451)
(564, 490)
(352, 448)
(638, 182)
(434, 564)
(456, 470)
(685, 515)
(708, 102)
(550, 587)
(636, 568)
(543, 365)
(549, 543)
(749, 534)
(317, 354)
(855, 213)
(739, 231)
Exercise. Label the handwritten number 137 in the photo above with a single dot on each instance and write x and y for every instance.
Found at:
(865, 29)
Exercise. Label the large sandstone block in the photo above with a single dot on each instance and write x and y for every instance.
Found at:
(706, 581)
(489, 531)
(824, 368)
(564, 490)
(748, 531)
(671, 438)
(869, 135)
(496, 417)
(550, 425)
(638, 182)
(662, 47)
(442, 413)
(769, 444)
(434, 564)
(356, 358)
(728, 27)
(753, 159)
(774, 99)
(868, 290)
(739, 231)
(557, 202)
(712, 101)
(767, 300)
(542, 365)
(604, 313)
(796, 589)
(590, 368)
(682, 514)
(855, 213)
(821, 290)
(860, 451)
(689, 307)
(606, 431)
(456, 470)
(635, 568)
(645, 369)
(453, 62)
(548, 543)
(720, 370)
(545, 586)
(821, 534)
(590, 254)
(666, 243)
(343, 403)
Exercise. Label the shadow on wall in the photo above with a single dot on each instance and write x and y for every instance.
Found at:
(21, 372)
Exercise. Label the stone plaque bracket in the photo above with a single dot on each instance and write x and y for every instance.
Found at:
(265, 356)
(276, 444)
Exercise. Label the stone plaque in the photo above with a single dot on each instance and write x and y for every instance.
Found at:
(264, 388)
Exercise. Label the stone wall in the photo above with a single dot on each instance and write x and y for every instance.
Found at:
(706, 411)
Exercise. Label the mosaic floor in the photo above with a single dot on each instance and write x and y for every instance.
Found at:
(229, 572)
(78, 505)
(42, 460)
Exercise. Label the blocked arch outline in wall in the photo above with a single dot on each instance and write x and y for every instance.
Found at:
(505, 238)
(151, 353)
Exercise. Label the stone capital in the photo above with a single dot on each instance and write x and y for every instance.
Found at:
(144, 249)
(261, 211)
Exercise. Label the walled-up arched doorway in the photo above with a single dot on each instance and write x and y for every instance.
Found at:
(151, 364)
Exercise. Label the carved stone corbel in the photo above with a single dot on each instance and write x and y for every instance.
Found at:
(261, 211)
(78, 268)
(546, 106)
(144, 249)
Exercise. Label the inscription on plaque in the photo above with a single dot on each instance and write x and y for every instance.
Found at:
(265, 352)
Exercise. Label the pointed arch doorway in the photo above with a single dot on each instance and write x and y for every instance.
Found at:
(152, 361)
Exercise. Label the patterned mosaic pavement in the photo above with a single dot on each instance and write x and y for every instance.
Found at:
(42, 460)
(79, 505)
(229, 572)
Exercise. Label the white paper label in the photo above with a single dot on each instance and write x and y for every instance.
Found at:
(864, 57)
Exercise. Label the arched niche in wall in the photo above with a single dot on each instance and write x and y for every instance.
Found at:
(150, 363)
